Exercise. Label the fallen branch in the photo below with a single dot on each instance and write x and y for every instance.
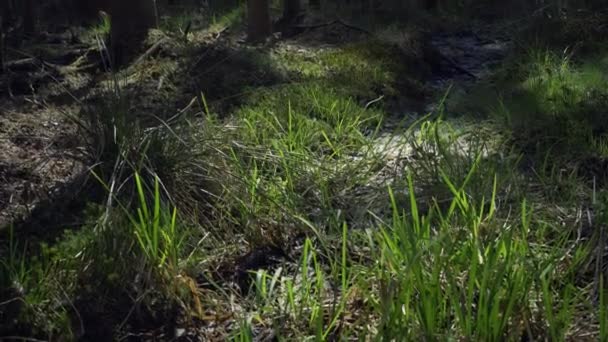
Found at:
(333, 22)
(68, 56)
(367, 105)
(22, 63)
(150, 51)
(28, 63)
(312, 27)
(353, 27)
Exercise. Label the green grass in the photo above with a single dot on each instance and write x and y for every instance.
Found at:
(434, 231)
(359, 69)
(551, 104)
(461, 271)
(191, 19)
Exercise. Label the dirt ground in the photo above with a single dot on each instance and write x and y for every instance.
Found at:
(48, 85)
(40, 143)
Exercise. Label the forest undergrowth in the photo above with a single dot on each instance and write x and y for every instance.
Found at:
(298, 190)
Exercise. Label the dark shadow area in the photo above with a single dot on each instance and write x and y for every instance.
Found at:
(224, 74)
(548, 95)
(548, 118)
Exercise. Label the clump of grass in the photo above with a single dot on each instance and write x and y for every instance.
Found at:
(156, 232)
(129, 262)
(306, 304)
(322, 120)
(226, 19)
(549, 103)
(103, 28)
(442, 148)
(32, 291)
(191, 17)
(121, 140)
(465, 270)
(292, 156)
(560, 102)
(459, 273)
(177, 23)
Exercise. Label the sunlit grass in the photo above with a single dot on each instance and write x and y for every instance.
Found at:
(549, 102)
(360, 69)
(440, 234)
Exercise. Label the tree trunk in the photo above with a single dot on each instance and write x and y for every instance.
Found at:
(6, 13)
(314, 4)
(29, 17)
(291, 9)
(258, 15)
(2, 50)
(431, 4)
(131, 20)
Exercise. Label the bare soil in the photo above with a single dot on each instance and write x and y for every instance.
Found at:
(39, 141)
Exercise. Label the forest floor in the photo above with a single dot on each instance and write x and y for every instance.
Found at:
(346, 180)
(46, 91)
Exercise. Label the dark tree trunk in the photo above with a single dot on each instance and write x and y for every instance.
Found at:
(291, 9)
(6, 13)
(29, 17)
(258, 16)
(431, 4)
(2, 50)
(131, 20)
